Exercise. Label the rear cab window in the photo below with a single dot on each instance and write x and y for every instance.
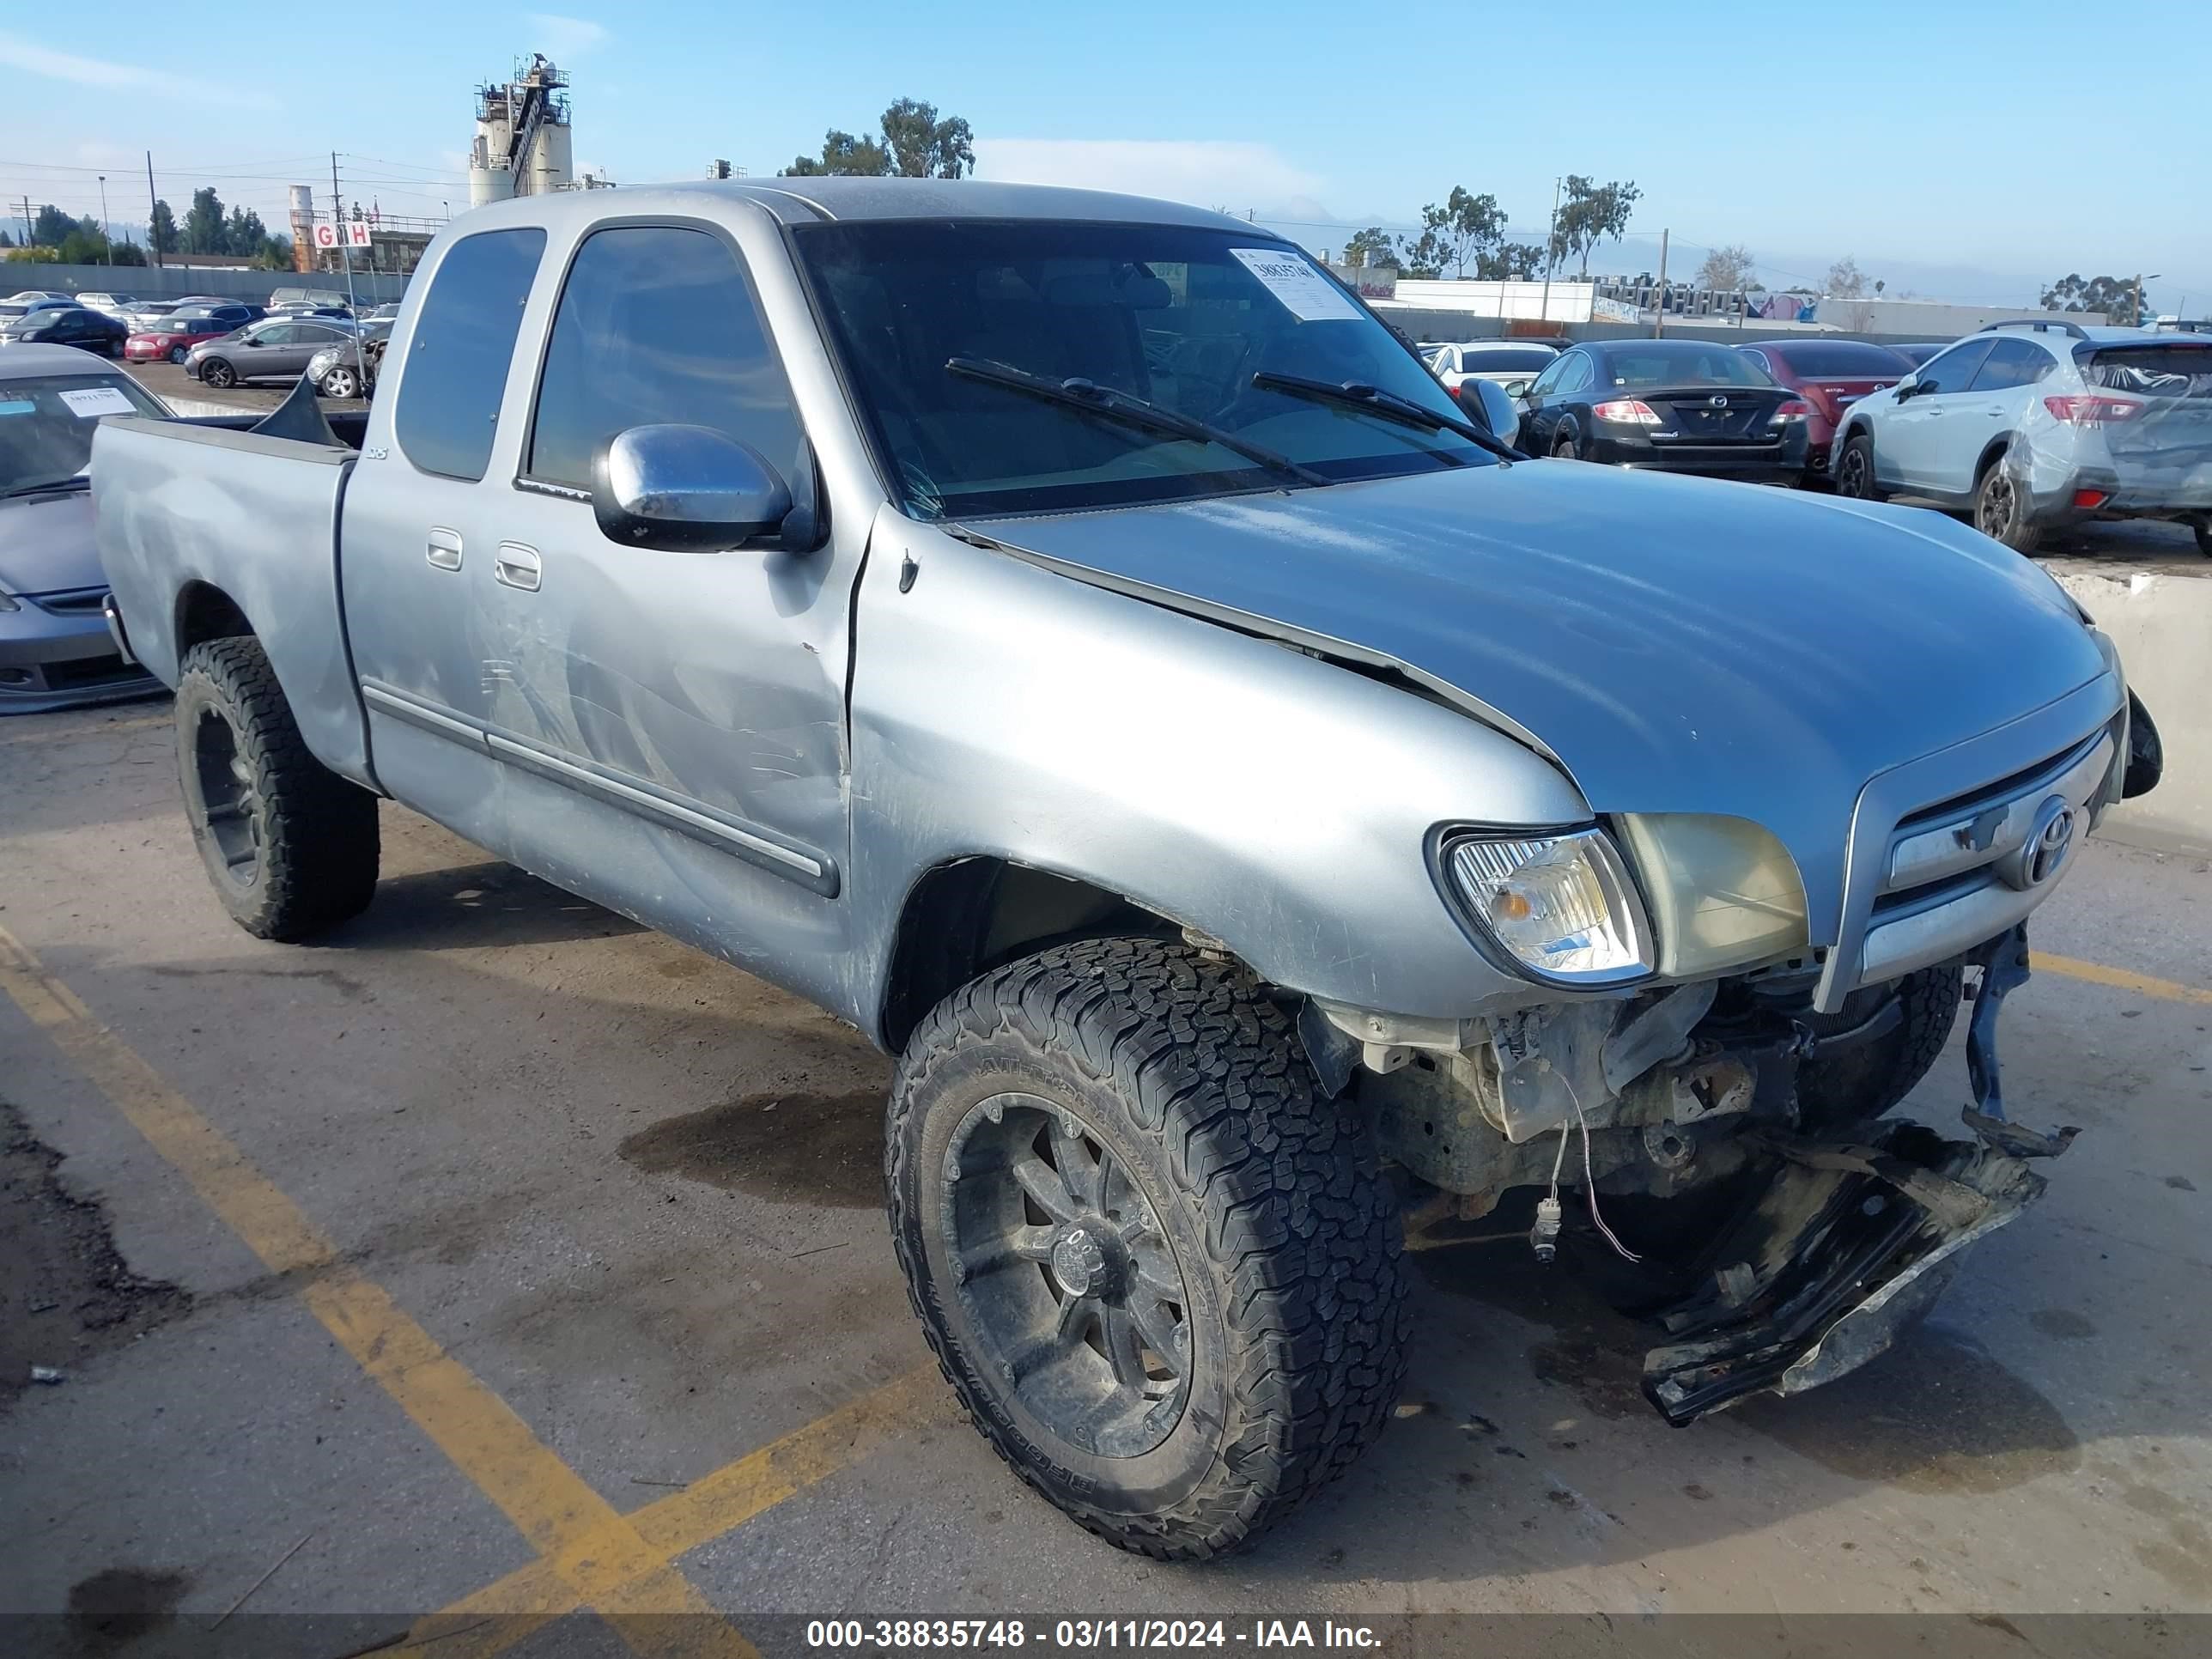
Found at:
(657, 324)
(455, 376)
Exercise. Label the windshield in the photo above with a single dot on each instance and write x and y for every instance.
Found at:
(46, 424)
(1180, 317)
(1683, 365)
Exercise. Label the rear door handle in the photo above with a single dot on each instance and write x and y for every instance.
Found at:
(516, 566)
(444, 549)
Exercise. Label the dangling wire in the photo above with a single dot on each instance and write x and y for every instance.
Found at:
(1589, 1175)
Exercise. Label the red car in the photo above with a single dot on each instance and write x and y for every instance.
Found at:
(174, 336)
(1830, 376)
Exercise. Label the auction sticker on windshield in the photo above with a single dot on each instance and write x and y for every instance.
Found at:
(88, 401)
(1302, 289)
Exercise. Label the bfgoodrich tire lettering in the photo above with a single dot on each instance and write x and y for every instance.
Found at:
(1267, 1196)
(290, 846)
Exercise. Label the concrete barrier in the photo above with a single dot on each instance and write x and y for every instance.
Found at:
(2162, 623)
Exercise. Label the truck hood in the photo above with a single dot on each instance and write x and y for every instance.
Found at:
(45, 543)
(1676, 644)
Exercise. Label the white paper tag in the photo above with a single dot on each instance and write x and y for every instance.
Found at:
(1303, 290)
(88, 401)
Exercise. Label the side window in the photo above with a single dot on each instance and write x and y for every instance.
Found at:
(2012, 363)
(456, 369)
(1953, 370)
(1548, 381)
(657, 324)
(283, 334)
(1574, 374)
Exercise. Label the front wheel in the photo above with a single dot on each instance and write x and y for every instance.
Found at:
(290, 846)
(218, 373)
(1874, 1050)
(1161, 1271)
(2001, 510)
(177, 355)
(1854, 478)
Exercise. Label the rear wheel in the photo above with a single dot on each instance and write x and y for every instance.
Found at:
(340, 382)
(290, 846)
(2001, 510)
(1161, 1271)
(1855, 470)
(1563, 448)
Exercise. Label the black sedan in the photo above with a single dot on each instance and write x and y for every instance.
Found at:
(1670, 405)
(74, 325)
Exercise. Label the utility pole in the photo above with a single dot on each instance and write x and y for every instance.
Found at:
(107, 240)
(1659, 308)
(153, 235)
(1550, 230)
(345, 252)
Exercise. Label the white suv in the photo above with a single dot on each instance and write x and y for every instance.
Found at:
(2033, 425)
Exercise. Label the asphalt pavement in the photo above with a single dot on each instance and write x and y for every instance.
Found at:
(503, 1258)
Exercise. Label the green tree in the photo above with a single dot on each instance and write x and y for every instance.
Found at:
(913, 142)
(922, 146)
(1512, 262)
(1588, 214)
(161, 229)
(205, 231)
(1371, 247)
(1461, 231)
(50, 227)
(243, 232)
(2113, 295)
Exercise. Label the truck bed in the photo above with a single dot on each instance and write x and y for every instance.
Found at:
(195, 517)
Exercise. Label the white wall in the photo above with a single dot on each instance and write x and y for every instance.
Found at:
(2161, 624)
(1570, 302)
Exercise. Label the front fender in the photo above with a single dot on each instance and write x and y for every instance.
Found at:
(1274, 800)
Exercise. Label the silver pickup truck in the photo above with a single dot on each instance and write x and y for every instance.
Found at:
(1072, 639)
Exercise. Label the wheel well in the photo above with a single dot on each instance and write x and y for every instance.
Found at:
(206, 612)
(1991, 456)
(966, 917)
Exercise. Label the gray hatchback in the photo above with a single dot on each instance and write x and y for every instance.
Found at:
(276, 349)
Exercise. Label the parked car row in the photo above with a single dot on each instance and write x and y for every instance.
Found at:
(2028, 426)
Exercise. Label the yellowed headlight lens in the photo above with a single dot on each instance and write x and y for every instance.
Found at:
(1723, 892)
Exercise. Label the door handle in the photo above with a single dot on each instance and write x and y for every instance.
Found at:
(444, 549)
(516, 566)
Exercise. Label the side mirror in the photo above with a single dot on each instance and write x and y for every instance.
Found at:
(1908, 388)
(684, 490)
(1517, 390)
(1497, 410)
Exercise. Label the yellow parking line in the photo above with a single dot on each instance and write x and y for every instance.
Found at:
(501, 1614)
(2143, 985)
(595, 1552)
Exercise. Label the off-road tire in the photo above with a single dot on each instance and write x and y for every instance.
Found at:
(2000, 513)
(1281, 1225)
(314, 844)
(1854, 474)
(1865, 1080)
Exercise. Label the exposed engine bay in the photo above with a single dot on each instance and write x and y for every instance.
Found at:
(1829, 1230)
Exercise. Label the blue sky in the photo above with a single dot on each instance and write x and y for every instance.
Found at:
(1966, 151)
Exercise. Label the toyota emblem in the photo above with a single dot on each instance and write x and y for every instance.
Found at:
(2043, 854)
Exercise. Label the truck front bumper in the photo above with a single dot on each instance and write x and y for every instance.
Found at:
(1845, 1251)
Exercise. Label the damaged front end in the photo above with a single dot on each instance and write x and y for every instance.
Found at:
(1829, 1233)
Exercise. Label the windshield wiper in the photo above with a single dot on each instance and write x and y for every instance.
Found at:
(1388, 406)
(75, 481)
(1128, 410)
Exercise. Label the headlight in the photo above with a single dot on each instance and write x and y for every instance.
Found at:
(1724, 893)
(1562, 906)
